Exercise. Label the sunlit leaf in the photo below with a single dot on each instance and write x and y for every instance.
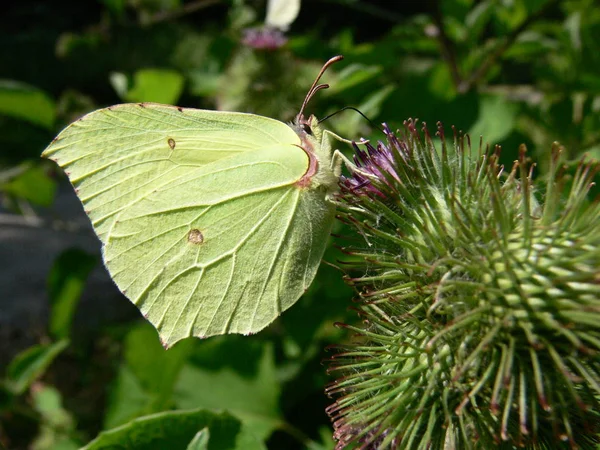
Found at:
(34, 185)
(175, 430)
(155, 85)
(147, 377)
(497, 117)
(57, 425)
(127, 399)
(251, 394)
(26, 102)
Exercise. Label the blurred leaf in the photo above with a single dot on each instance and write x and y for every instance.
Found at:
(456, 29)
(272, 84)
(72, 105)
(573, 26)
(497, 119)
(120, 83)
(534, 6)
(203, 84)
(174, 430)
(155, 367)
(200, 441)
(66, 282)
(117, 7)
(253, 397)
(241, 15)
(6, 397)
(30, 364)
(479, 16)
(441, 84)
(34, 185)
(147, 377)
(529, 44)
(351, 76)
(511, 14)
(47, 401)
(57, 426)
(326, 443)
(26, 102)
(151, 85)
(151, 11)
(127, 399)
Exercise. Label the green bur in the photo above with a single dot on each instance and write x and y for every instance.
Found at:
(481, 305)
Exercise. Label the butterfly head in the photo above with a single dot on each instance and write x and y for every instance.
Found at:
(306, 127)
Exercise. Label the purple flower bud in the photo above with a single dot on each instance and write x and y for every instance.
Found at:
(378, 161)
(266, 38)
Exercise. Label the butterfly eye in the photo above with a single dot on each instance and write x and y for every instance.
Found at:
(306, 128)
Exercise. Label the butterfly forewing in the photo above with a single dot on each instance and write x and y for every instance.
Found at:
(116, 156)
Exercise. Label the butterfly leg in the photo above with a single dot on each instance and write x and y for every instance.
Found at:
(338, 158)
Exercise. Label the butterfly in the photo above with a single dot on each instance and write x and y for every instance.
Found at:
(211, 222)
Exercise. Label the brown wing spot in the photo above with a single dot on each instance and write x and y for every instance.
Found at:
(195, 236)
(180, 109)
(141, 105)
(171, 143)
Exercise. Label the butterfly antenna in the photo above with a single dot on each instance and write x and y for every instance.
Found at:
(317, 87)
(374, 125)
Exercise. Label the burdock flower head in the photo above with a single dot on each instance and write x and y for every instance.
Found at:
(480, 297)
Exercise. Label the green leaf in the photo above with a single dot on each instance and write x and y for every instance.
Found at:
(478, 17)
(530, 44)
(326, 441)
(147, 377)
(497, 118)
(65, 285)
(47, 401)
(57, 425)
(127, 399)
(200, 441)
(203, 83)
(441, 84)
(30, 364)
(156, 85)
(352, 76)
(573, 27)
(117, 7)
(156, 368)
(26, 102)
(172, 429)
(34, 185)
(219, 381)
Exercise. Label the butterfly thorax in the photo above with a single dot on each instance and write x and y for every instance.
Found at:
(316, 145)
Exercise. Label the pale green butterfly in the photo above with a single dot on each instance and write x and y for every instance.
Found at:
(211, 222)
